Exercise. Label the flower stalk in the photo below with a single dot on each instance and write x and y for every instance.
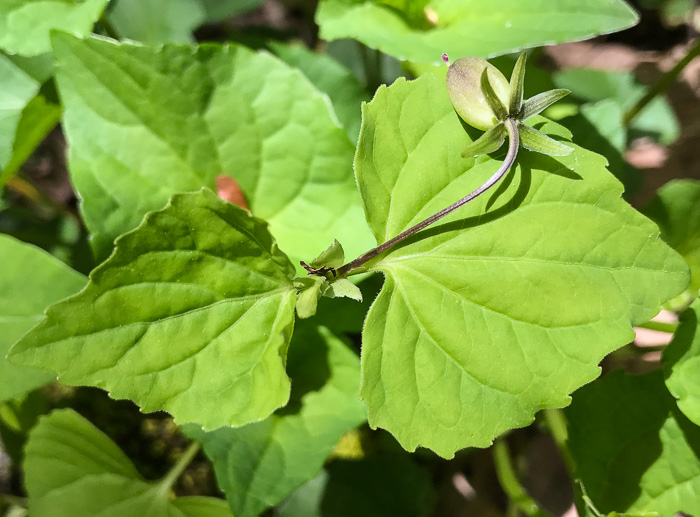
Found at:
(484, 99)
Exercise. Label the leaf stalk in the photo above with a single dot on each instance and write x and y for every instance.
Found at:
(514, 143)
(510, 483)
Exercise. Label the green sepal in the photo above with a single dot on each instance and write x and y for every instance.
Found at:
(342, 287)
(533, 140)
(540, 102)
(333, 256)
(308, 293)
(492, 99)
(489, 142)
(517, 85)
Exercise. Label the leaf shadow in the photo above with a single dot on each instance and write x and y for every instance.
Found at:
(307, 365)
(523, 172)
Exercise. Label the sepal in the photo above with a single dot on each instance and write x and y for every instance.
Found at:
(489, 142)
(540, 102)
(517, 85)
(533, 140)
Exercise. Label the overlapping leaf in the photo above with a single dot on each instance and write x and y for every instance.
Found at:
(422, 31)
(157, 21)
(72, 469)
(676, 209)
(634, 450)
(259, 464)
(26, 115)
(339, 83)
(31, 281)
(191, 314)
(146, 123)
(508, 305)
(25, 25)
(682, 363)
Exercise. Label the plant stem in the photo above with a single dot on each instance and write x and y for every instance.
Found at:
(514, 144)
(169, 480)
(663, 83)
(659, 326)
(510, 484)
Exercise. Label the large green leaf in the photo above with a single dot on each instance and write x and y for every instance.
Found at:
(146, 123)
(634, 450)
(676, 209)
(422, 31)
(72, 469)
(31, 280)
(339, 83)
(259, 464)
(682, 363)
(508, 305)
(25, 25)
(157, 21)
(191, 314)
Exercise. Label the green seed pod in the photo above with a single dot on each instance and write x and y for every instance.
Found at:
(464, 88)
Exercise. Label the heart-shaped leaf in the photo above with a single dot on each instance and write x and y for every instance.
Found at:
(508, 305)
(72, 469)
(31, 281)
(259, 464)
(192, 314)
(422, 31)
(634, 450)
(145, 123)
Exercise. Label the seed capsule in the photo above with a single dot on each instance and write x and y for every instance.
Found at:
(464, 88)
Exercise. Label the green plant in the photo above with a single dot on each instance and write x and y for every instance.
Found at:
(507, 278)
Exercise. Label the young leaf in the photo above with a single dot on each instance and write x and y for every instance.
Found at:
(507, 306)
(309, 291)
(469, 27)
(31, 281)
(676, 209)
(333, 256)
(343, 288)
(682, 363)
(25, 25)
(192, 314)
(145, 123)
(259, 464)
(72, 469)
(634, 450)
